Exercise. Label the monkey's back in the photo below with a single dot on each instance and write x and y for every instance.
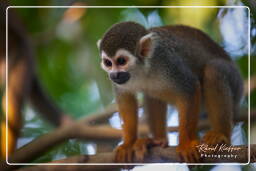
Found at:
(189, 49)
(192, 45)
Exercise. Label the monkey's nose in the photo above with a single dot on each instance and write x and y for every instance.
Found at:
(114, 75)
(119, 77)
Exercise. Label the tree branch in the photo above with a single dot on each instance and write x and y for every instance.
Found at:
(155, 155)
(80, 130)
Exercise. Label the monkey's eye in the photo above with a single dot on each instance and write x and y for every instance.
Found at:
(107, 62)
(121, 61)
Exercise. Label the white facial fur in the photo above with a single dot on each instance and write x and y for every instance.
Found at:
(138, 81)
(104, 55)
(121, 52)
(128, 67)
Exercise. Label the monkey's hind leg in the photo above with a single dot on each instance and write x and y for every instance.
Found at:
(189, 108)
(219, 90)
(156, 113)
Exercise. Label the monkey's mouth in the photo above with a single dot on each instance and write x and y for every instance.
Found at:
(120, 81)
(120, 77)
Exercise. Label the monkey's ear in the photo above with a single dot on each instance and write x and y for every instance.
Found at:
(145, 45)
(98, 43)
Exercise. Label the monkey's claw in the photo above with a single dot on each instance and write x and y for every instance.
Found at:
(124, 153)
(188, 152)
(214, 137)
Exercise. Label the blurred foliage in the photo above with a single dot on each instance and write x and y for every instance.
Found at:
(68, 62)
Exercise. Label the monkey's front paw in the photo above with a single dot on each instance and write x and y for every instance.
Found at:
(214, 137)
(124, 153)
(188, 152)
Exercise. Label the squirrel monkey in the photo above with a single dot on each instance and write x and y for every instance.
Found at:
(176, 65)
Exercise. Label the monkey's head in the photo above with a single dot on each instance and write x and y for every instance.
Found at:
(124, 49)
